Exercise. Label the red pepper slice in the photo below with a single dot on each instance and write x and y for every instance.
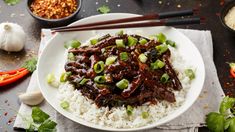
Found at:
(232, 69)
(14, 78)
(12, 71)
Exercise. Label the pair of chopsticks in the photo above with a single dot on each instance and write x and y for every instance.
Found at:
(125, 22)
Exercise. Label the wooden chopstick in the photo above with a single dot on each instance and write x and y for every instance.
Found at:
(138, 18)
(168, 22)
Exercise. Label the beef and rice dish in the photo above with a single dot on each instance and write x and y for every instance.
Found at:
(123, 70)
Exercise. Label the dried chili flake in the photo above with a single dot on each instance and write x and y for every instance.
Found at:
(53, 9)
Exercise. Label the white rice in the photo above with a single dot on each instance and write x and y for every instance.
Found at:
(84, 108)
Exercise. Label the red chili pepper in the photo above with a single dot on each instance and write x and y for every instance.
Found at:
(12, 71)
(12, 76)
(232, 69)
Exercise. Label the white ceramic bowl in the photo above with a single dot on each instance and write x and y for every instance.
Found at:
(53, 57)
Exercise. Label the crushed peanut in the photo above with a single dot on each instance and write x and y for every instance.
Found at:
(53, 9)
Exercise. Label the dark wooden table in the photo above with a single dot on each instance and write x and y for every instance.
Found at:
(224, 42)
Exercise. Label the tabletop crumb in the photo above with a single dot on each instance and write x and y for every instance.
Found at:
(206, 106)
(106, 1)
(201, 96)
(118, 5)
(83, 10)
(96, 3)
(22, 15)
(178, 6)
(168, 3)
(160, 2)
(12, 15)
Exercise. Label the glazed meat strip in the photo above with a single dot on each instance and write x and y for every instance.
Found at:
(123, 70)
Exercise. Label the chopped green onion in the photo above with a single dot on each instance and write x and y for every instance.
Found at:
(64, 76)
(99, 67)
(93, 41)
(71, 56)
(124, 56)
(73, 43)
(122, 84)
(165, 77)
(152, 37)
(120, 43)
(50, 78)
(110, 60)
(129, 110)
(132, 41)
(66, 46)
(161, 38)
(64, 104)
(145, 115)
(157, 64)
(143, 58)
(143, 41)
(171, 43)
(161, 48)
(120, 33)
(190, 74)
(83, 81)
(100, 79)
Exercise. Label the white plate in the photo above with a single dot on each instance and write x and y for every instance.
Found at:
(52, 60)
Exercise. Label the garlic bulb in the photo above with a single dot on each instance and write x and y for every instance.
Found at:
(31, 98)
(12, 37)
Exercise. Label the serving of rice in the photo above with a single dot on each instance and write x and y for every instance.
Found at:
(117, 117)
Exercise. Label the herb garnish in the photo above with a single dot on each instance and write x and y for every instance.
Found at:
(41, 121)
(104, 9)
(12, 2)
(225, 119)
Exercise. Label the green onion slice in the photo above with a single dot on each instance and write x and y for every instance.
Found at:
(64, 104)
(110, 60)
(74, 43)
(71, 56)
(122, 84)
(157, 64)
(145, 115)
(161, 48)
(64, 76)
(120, 33)
(93, 41)
(124, 56)
(132, 41)
(161, 38)
(50, 78)
(165, 77)
(83, 81)
(129, 110)
(120, 43)
(190, 74)
(171, 43)
(100, 79)
(99, 67)
(143, 58)
(143, 41)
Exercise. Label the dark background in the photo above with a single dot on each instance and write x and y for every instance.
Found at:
(224, 41)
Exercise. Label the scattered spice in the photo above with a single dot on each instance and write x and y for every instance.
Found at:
(11, 120)
(5, 114)
(54, 9)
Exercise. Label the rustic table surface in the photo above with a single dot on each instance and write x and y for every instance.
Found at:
(224, 42)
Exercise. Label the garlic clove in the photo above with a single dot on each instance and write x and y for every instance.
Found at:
(31, 98)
